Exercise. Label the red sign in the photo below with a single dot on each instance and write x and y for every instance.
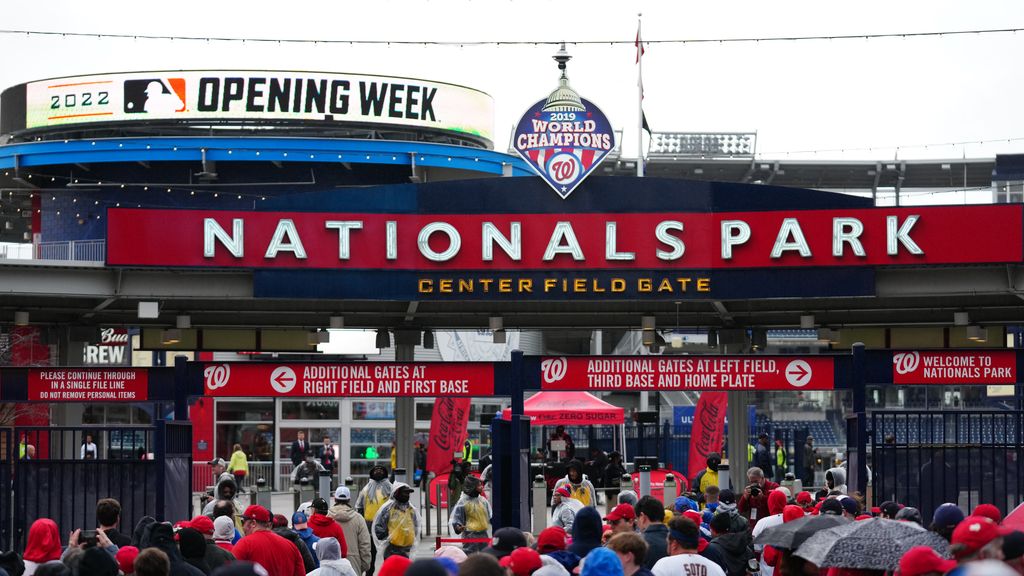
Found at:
(617, 373)
(448, 431)
(582, 241)
(708, 424)
(356, 379)
(88, 385)
(968, 367)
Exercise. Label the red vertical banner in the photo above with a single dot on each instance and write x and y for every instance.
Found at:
(447, 432)
(708, 425)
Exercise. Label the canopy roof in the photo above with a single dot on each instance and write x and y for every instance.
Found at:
(569, 409)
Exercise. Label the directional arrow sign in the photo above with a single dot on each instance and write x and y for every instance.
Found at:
(798, 373)
(283, 379)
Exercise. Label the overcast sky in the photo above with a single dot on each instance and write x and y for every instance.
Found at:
(811, 95)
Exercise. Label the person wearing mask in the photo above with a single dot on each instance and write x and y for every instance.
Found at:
(325, 527)
(650, 517)
(754, 502)
(108, 516)
(374, 495)
(708, 476)
(564, 508)
(763, 456)
(89, 450)
(578, 484)
(631, 549)
(835, 480)
(239, 464)
(396, 527)
(300, 525)
(810, 461)
(357, 535)
(279, 556)
(732, 550)
(471, 516)
(331, 561)
(299, 449)
(214, 555)
(682, 558)
(709, 499)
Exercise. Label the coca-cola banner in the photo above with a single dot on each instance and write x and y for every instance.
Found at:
(356, 379)
(88, 385)
(707, 436)
(688, 373)
(447, 433)
(967, 367)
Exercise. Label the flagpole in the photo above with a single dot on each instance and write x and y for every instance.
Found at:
(639, 100)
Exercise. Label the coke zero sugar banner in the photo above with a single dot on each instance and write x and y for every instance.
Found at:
(448, 432)
(88, 385)
(688, 373)
(968, 367)
(706, 434)
(362, 379)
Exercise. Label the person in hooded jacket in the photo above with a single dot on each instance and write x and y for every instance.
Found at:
(43, 545)
(612, 478)
(579, 485)
(374, 495)
(300, 525)
(140, 530)
(224, 533)
(396, 527)
(326, 527)
(193, 548)
(564, 508)
(586, 532)
(835, 479)
(328, 551)
(776, 503)
(708, 476)
(730, 550)
(471, 516)
(215, 556)
(227, 489)
(356, 532)
(160, 535)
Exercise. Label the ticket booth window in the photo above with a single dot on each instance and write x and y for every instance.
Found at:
(310, 410)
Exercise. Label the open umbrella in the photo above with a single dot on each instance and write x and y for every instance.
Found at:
(875, 544)
(792, 534)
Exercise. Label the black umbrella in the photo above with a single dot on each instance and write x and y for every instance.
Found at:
(792, 534)
(875, 544)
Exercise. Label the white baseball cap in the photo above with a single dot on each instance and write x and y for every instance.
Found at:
(342, 493)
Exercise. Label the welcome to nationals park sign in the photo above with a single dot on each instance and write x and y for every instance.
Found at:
(616, 239)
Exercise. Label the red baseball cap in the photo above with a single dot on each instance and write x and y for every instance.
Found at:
(563, 491)
(975, 532)
(522, 561)
(694, 515)
(989, 511)
(257, 513)
(923, 560)
(621, 511)
(792, 512)
(203, 524)
(551, 539)
(804, 497)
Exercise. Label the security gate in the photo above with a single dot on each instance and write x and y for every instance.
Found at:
(923, 458)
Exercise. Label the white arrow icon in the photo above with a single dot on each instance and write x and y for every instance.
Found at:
(798, 373)
(282, 379)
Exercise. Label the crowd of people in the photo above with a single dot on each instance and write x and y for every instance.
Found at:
(763, 530)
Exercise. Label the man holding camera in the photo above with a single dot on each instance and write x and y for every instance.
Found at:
(754, 502)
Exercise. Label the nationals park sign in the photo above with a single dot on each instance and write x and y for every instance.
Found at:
(559, 255)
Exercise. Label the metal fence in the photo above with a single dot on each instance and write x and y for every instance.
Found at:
(74, 250)
(202, 476)
(926, 458)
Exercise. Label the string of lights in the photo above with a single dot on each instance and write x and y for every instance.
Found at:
(493, 43)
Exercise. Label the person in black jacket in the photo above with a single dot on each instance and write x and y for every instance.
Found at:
(731, 550)
(613, 477)
(763, 456)
(108, 516)
(299, 449)
(650, 521)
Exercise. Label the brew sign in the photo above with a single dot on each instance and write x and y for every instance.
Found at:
(563, 137)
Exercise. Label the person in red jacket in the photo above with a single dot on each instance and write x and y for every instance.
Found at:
(754, 502)
(279, 556)
(326, 527)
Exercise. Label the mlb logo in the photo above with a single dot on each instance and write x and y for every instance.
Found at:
(154, 96)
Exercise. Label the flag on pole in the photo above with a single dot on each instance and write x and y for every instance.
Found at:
(640, 79)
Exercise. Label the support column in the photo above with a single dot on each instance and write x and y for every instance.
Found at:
(405, 408)
(739, 432)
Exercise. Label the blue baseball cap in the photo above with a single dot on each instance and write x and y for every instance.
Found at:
(299, 518)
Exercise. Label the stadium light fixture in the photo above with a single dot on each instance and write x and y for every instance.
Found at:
(807, 321)
(961, 318)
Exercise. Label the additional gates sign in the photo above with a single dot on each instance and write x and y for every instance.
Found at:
(362, 379)
(968, 367)
(88, 385)
(689, 373)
